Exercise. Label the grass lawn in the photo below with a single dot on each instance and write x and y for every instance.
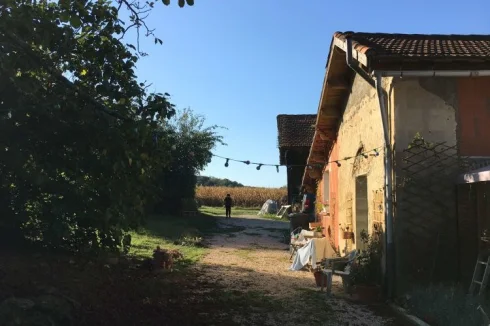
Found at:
(171, 232)
(236, 211)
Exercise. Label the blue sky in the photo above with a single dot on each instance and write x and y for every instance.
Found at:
(241, 63)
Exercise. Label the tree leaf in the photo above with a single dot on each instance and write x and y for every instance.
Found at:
(65, 17)
(75, 21)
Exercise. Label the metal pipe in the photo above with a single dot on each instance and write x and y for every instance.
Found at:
(435, 73)
(388, 168)
(354, 66)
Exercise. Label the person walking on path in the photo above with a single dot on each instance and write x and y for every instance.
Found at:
(228, 203)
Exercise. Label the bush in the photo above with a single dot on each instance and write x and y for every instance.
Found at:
(445, 305)
(367, 269)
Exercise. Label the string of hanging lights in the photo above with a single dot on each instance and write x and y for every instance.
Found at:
(366, 154)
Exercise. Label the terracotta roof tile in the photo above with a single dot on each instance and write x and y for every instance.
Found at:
(420, 46)
(295, 130)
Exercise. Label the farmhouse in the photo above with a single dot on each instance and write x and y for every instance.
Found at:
(295, 132)
(399, 117)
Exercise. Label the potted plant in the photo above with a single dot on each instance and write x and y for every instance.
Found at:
(320, 278)
(346, 233)
(318, 231)
(366, 273)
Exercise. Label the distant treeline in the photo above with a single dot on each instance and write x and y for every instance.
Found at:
(217, 182)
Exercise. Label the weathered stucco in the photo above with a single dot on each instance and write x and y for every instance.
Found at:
(360, 130)
(426, 106)
(425, 214)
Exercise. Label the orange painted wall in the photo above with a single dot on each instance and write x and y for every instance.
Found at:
(330, 221)
(474, 116)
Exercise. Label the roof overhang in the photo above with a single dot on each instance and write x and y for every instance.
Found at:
(337, 85)
(335, 92)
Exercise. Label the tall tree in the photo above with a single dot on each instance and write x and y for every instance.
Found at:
(82, 140)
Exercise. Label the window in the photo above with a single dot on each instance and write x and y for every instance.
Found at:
(326, 187)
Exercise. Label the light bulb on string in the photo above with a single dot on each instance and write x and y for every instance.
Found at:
(259, 166)
(277, 168)
(246, 162)
(364, 155)
(376, 153)
(338, 164)
(227, 162)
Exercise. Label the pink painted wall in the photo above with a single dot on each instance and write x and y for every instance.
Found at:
(330, 220)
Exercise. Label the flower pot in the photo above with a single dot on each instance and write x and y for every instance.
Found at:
(320, 278)
(368, 293)
(348, 235)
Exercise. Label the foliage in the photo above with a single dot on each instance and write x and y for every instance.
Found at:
(448, 305)
(242, 197)
(216, 182)
(86, 149)
(191, 152)
(367, 268)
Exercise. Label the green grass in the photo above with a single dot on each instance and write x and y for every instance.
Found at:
(237, 211)
(163, 231)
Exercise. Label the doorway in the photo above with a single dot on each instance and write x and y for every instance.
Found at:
(362, 220)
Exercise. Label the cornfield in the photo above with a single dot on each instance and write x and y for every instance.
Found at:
(242, 196)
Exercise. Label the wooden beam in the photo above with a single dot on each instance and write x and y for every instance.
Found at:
(317, 159)
(317, 153)
(324, 136)
(330, 113)
(337, 84)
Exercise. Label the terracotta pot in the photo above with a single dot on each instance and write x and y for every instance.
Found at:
(348, 235)
(368, 293)
(320, 278)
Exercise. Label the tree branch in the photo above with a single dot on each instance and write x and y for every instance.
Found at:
(62, 79)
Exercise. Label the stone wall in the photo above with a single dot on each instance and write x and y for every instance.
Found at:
(361, 130)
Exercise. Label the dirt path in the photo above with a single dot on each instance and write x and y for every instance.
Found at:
(249, 257)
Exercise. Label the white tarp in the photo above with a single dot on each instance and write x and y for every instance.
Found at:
(269, 207)
(317, 249)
